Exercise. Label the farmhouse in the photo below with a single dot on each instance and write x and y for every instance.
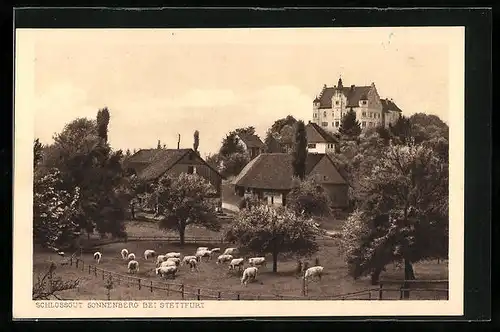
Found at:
(318, 141)
(371, 110)
(151, 164)
(252, 144)
(269, 176)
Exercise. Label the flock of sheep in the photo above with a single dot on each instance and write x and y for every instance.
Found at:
(168, 264)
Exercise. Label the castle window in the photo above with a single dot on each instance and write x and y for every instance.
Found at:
(337, 124)
(336, 102)
(363, 102)
(315, 115)
(363, 114)
(311, 146)
(371, 115)
(363, 124)
(324, 114)
(324, 124)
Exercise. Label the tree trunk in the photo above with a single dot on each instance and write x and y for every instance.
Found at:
(132, 211)
(409, 275)
(275, 261)
(182, 232)
(375, 276)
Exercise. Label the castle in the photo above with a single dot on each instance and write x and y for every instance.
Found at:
(371, 111)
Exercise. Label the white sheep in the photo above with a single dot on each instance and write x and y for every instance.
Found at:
(201, 249)
(223, 258)
(131, 257)
(149, 253)
(230, 251)
(133, 266)
(236, 262)
(186, 259)
(257, 261)
(160, 259)
(203, 253)
(177, 261)
(193, 264)
(250, 273)
(168, 263)
(173, 255)
(215, 250)
(164, 271)
(314, 271)
(124, 254)
(97, 256)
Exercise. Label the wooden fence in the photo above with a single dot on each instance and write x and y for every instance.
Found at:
(197, 293)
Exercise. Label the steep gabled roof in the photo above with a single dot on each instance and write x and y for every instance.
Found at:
(251, 141)
(389, 105)
(316, 134)
(353, 94)
(274, 171)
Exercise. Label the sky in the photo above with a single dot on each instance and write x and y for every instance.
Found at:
(158, 83)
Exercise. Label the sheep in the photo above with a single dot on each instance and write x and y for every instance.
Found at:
(124, 254)
(230, 251)
(186, 259)
(160, 259)
(61, 253)
(173, 255)
(149, 253)
(223, 258)
(177, 261)
(133, 266)
(97, 256)
(131, 257)
(201, 249)
(193, 264)
(236, 262)
(215, 250)
(168, 263)
(205, 253)
(250, 273)
(257, 261)
(164, 271)
(314, 271)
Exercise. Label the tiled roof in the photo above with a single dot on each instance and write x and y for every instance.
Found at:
(316, 134)
(353, 94)
(162, 162)
(389, 105)
(251, 141)
(274, 171)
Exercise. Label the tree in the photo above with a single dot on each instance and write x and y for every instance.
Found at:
(350, 128)
(185, 200)
(37, 152)
(426, 127)
(102, 123)
(402, 212)
(300, 151)
(234, 163)
(280, 123)
(263, 229)
(309, 198)
(271, 143)
(196, 142)
(48, 285)
(401, 131)
(250, 130)
(158, 145)
(230, 145)
(53, 210)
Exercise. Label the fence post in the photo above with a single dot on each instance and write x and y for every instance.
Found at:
(71, 261)
(168, 289)
(198, 295)
(151, 286)
(182, 291)
(83, 265)
(139, 281)
(218, 296)
(77, 262)
(89, 269)
(95, 271)
(238, 297)
(304, 286)
(369, 295)
(102, 274)
(401, 293)
(380, 292)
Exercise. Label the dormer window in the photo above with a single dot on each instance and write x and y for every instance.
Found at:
(363, 102)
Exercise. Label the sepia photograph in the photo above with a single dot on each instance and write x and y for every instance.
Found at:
(252, 164)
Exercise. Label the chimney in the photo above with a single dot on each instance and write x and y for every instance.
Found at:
(309, 122)
(178, 141)
(352, 87)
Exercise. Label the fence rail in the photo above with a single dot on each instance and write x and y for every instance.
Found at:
(197, 293)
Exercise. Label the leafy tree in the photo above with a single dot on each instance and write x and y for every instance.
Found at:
(426, 127)
(271, 143)
(214, 160)
(287, 133)
(48, 285)
(102, 123)
(402, 212)
(280, 123)
(309, 198)
(350, 128)
(196, 141)
(37, 152)
(300, 151)
(53, 210)
(401, 132)
(263, 229)
(250, 130)
(230, 145)
(234, 163)
(185, 200)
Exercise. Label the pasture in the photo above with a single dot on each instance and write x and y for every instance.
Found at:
(212, 278)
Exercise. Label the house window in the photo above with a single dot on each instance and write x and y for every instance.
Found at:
(190, 169)
(363, 102)
(315, 115)
(371, 114)
(324, 124)
(336, 102)
(337, 124)
(363, 124)
(311, 146)
(324, 113)
(363, 114)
